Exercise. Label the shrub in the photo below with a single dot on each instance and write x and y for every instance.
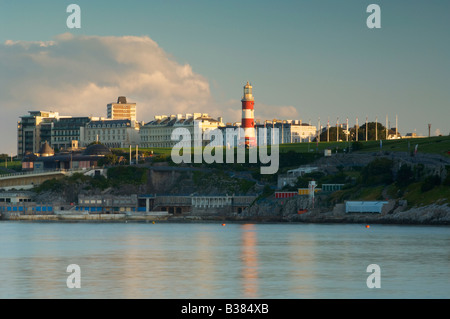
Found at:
(379, 171)
(127, 175)
(356, 146)
(446, 181)
(405, 176)
(430, 182)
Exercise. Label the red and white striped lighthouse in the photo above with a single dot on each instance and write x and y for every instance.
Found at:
(248, 117)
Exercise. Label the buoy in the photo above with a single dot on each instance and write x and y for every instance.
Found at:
(367, 226)
(153, 222)
(223, 224)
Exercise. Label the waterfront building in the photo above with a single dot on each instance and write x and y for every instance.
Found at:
(158, 133)
(107, 204)
(307, 191)
(112, 133)
(279, 194)
(332, 187)
(26, 208)
(122, 110)
(15, 197)
(171, 204)
(364, 206)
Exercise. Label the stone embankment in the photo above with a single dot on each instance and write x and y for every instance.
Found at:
(427, 215)
(297, 209)
(86, 217)
(292, 210)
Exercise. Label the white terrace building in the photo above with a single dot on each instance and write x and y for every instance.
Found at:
(158, 133)
(112, 133)
(289, 131)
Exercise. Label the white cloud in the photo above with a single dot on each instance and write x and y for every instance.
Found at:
(80, 75)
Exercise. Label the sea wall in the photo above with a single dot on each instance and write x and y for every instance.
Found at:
(87, 217)
(394, 212)
(428, 215)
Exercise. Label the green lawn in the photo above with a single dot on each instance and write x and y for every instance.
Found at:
(416, 197)
(438, 145)
(5, 168)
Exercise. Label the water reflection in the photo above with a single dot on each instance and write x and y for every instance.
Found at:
(210, 261)
(249, 257)
(134, 262)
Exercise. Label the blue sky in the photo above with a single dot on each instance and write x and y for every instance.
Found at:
(305, 59)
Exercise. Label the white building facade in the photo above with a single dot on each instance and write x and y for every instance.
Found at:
(289, 131)
(158, 133)
(112, 133)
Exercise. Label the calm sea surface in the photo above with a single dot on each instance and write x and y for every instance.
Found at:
(208, 260)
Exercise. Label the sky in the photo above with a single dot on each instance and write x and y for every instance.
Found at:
(307, 60)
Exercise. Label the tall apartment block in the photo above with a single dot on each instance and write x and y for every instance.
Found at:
(122, 110)
(33, 130)
(68, 129)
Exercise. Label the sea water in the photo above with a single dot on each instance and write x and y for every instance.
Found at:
(215, 260)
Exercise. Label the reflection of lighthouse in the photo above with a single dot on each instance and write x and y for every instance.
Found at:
(312, 188)
(248, 118)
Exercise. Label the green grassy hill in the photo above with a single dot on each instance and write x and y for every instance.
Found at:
(437, 145)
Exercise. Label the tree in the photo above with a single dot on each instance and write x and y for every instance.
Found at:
(430, 182)
(405, 175)
(379, 171)
(380, 132)
(332, 133)
(357, 146)
(110, 159)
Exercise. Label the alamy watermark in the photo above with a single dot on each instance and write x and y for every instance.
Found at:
(231, 139)
(74, 19)
(374, 279)
(74, 279)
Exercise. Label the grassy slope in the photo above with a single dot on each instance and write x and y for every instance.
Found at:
(438, 145)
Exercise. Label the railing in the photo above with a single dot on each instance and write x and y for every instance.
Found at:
(63, 171)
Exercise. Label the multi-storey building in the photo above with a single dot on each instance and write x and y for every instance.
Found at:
(39, 127)
(33, 130)
(112, 133)
(158, 133)
(289, 131)
(122, 110)
(68, 129)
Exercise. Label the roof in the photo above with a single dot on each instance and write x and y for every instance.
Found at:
(97, 149)
(46, 149)
(173, 121)
(100, 123)
(122, 100)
